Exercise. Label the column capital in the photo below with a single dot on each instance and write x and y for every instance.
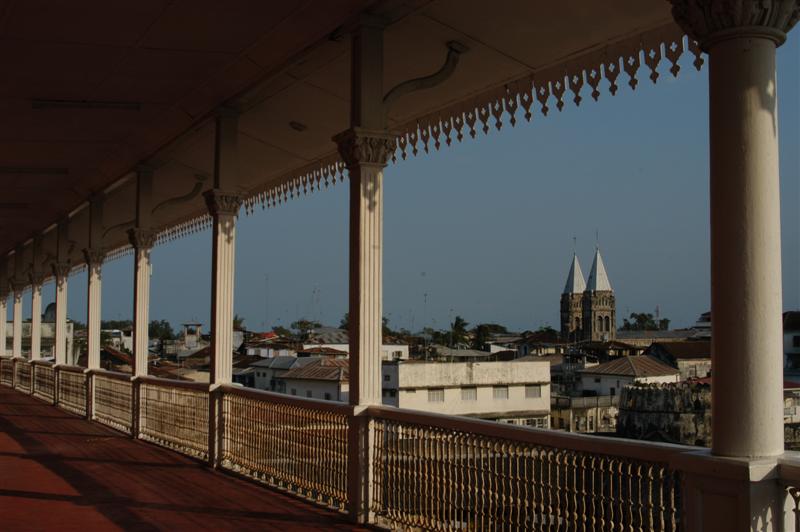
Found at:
(223, 202)
(17, 286)
(360, 146)
(36, 278)
(61, 269)
(143, 239)
(712, 21)
(94, 257)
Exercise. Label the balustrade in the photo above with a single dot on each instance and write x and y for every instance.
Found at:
(292, 443)
(112, 402)
(22, 375)
(44, 381)
(72, 383)
(174, 414)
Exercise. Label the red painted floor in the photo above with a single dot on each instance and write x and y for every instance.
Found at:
(59, 472)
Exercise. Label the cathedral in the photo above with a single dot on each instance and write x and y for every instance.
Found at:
(588, 310)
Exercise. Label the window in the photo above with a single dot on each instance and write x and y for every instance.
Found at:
(612, 391)
(469, 394)
(294, 391)
(597, 379)
(386, 378)
(796, 341)
(436, 395)
(327, 396)
(608, 323)
(308, 393)
(392, 393)
(533, 391)
(500, 392)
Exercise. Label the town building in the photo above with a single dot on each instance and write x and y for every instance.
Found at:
(791, 339)
(321, 378)
(584, 414)
(588, 308)
(692, 358)
(339, 339)
(611, 377)
(516, 392)
(47, 335)
(268, 372)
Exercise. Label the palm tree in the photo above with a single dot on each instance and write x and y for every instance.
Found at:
(458, 331)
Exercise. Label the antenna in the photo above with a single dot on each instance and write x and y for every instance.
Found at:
(574, 245)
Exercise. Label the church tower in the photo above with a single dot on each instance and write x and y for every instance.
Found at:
(599, 304)
(572, 303)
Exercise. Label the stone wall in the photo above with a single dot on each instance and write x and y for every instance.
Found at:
(674, 413)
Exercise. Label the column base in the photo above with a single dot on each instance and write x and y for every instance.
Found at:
(733, 494)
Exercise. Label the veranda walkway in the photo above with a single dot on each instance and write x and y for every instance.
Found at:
(60, 472)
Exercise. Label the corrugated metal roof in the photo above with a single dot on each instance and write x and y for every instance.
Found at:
(321, 369)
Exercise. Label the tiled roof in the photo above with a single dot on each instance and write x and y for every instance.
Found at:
(322, 369)
(637, 366)
(679, 333)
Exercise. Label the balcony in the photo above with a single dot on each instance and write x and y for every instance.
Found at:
(417, 470)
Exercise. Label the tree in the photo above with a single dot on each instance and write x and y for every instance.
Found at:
(161, 330)
(483, 332)
(238, 322)
(304, 327)
(644, 321)
(345, 322)
(116, 324)
(282, 332)
(458, 331)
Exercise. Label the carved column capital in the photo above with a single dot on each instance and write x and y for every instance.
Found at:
(17, 287)
(61, 270)
(359, 146)
(36, 278)
(94, 258)
(143, 239)
(712, 21)
(222, 202)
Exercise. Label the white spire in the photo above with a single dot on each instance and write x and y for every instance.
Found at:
(598, 278)
(575, 283)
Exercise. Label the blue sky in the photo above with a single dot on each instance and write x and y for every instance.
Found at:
(485, 228)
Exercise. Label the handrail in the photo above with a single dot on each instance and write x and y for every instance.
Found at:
(789, 467)
(158, 381)
(71, 369)
(302, 402)
(42, 363)
(117, 375)
(640, 450)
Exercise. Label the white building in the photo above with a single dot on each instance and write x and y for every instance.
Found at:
(513, 392)
(321, 378)
(610, 377)
(332, 338)
(269, 371)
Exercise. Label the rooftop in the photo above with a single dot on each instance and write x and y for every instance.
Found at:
(635, 366)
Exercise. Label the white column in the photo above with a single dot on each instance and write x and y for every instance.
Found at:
(3, 320)
(142, 241)
(36, 317)
(747, 394)
(94, 256)
(223, 207)
(94, 263)
(61, 272)
(746, 348)
(16, 349)
(366, 152)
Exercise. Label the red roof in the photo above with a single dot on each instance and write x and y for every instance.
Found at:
(638, 366)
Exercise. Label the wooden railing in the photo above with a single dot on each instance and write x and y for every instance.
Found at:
(295, 444)
(398, 468)
(439, 472)
(7, 371)
(112, 401)
(174, 414)
(72, 384)
(44, 380)
(23, 375)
